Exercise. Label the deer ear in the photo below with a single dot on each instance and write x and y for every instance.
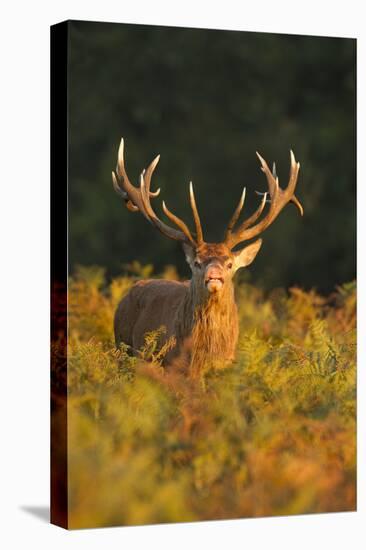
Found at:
(246, 255)
(190, 253)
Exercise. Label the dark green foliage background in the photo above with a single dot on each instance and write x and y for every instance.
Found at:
(206, 100)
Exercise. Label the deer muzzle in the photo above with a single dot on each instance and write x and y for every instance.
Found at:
(214, 279)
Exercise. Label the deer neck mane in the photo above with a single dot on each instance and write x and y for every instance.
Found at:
(209, 322)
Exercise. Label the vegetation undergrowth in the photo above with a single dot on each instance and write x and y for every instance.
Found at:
(273, 434)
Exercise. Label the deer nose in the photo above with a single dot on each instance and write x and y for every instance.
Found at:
(214, 271)
(214, 277)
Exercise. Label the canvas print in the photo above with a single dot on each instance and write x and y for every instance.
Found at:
(203, 201)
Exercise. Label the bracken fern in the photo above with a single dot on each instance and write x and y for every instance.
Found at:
(274, 433)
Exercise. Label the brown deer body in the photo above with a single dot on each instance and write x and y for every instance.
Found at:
(203, 323)
(199, 316)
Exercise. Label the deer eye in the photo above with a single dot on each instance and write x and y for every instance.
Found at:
(229, 265)
(197, 263)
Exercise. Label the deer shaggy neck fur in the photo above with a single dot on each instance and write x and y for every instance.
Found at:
(208, 323)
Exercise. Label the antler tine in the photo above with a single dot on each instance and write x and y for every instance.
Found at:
(249, 221)
(138, 198)
(278, 200)
(196, 216)
(256, 214)
(294, 172)
(117, 188)
(180, 223)
(234, 218)
(274, 170)
(298, 205)
(123, 194)
(147, 176)
(272, 179)
(122, 184)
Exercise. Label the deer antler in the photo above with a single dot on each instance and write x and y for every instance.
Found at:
(278, 200)
(138, 199)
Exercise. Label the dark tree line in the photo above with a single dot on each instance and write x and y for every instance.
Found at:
(206, 100)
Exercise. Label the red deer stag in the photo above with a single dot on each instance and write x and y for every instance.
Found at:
(200, 315)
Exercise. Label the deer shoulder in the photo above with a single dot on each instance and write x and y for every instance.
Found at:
(148, 306)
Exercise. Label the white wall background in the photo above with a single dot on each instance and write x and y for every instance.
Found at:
(24, 271)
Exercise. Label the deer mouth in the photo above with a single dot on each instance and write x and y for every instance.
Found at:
(214, 284)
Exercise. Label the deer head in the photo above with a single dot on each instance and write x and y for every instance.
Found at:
(213, 265)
